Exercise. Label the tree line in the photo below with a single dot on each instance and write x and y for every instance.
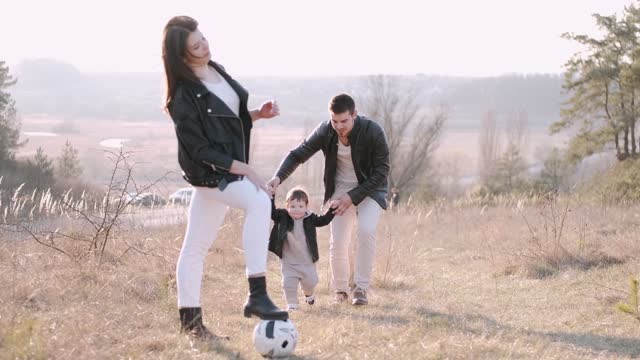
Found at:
(39, 171)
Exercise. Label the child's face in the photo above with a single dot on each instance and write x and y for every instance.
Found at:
(296, 208)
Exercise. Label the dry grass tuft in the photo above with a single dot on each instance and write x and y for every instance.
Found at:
(22, 340)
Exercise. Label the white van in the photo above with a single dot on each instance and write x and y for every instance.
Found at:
(181, 196)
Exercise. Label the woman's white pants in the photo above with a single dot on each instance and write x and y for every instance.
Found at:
(206, 214)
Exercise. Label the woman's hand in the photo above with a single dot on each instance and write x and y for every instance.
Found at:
(267, 110)
(240, 168)
(258, 181)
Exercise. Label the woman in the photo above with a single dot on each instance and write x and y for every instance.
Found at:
(213, 127)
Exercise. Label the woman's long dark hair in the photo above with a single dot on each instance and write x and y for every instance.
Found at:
(174, 50)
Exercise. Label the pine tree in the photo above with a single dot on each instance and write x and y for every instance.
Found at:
(603, 82)
(555, 172)
(509, 171)
(9, 123)
(42, 161)
(42, 169)
(68, 162)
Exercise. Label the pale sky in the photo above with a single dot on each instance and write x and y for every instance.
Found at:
(301, 38)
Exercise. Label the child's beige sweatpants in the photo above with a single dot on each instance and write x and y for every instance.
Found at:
(294, 274)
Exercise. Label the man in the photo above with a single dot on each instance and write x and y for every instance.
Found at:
(355, 174)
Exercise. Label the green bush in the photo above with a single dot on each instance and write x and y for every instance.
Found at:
(621, 184)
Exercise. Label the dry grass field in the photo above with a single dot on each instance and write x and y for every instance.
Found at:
(451, 282)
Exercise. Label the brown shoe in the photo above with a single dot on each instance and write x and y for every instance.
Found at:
(340, 297)
(360, 297)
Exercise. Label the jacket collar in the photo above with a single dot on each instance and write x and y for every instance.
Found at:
(291, 220)
(353, 135)
(219, 106)
(201, 88)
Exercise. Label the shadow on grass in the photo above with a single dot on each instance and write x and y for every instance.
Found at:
(621, 346)
(394, 285)
(359, 313)
(475, 324)
(296, 357)
(217, 347)
(553, 264)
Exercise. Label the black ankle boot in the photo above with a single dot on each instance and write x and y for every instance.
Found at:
(259, 304)
(191, 324)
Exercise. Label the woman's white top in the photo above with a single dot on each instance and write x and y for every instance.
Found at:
(225, 92)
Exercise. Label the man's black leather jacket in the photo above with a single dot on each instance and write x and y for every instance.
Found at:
(369, 152)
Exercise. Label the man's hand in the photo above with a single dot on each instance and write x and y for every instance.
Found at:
(273, 184)
(333, 204)
(343, 204)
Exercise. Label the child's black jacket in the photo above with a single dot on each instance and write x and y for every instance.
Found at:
(283, 223)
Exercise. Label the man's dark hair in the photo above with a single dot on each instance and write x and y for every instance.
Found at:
(297, 194)
(341, 103)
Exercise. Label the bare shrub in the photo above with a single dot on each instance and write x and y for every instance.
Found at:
(549, 250)
(412, 133)
(92, 224)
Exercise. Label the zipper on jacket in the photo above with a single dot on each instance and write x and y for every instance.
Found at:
(213, 166)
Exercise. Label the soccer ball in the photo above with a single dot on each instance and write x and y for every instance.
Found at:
(275, 338)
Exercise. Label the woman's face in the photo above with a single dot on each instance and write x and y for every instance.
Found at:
(197, 49)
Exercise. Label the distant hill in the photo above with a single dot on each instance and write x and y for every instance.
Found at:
(59, 90)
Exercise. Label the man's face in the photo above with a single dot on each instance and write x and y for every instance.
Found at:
(343, 123)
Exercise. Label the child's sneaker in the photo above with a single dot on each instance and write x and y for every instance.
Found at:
(311, 299)
(292, 307)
